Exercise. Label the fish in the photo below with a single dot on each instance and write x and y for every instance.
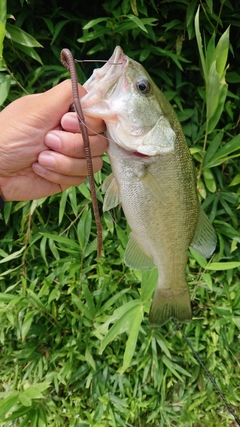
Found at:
(153, 178)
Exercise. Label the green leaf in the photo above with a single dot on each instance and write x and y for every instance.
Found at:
(94, 22)
(28, 51)
(3, 11)
(5, 84)
(2, 35)
(28, 318)
(35, 391)
(199, 43)
(7, 404)
(221, 52)
(84, 228)
(14, 255)
(19, 36)
(133, 330)
(121, 325)
(201, 261)
(169, 364)
(235, 181)
(137, 21)
(209, 180)
(220, 266)
(148, 284)
(236, 320)
(223, 153)
(62, 206)
(212, 149)
(62, 240)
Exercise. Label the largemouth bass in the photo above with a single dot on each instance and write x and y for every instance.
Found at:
(153, 178)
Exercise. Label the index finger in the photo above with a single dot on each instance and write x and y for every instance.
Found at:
(70, 123)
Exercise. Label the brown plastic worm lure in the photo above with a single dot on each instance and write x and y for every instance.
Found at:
(69, 63)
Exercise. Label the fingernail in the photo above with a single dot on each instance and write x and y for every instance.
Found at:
(46, 160)
(52, 141)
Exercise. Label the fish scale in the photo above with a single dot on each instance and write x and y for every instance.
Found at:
(153, 178)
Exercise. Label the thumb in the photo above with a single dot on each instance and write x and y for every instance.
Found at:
(59, 98)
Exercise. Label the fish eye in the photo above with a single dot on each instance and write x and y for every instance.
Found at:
(143, 86)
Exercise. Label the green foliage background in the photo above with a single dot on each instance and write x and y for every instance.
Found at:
(76, 346)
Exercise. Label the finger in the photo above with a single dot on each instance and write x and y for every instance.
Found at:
(56, 101)
(70, 123)
(67, 166)
(64, 181)
(71, 144)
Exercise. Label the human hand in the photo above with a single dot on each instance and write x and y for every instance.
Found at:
(41, 149)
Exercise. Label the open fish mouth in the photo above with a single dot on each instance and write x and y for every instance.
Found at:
(110, 72)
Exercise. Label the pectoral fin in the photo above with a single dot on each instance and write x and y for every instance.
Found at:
(205, 239)
(135, 257)
(152, 184)
(112, 196)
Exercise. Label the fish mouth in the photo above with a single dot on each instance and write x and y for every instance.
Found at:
(110, 72)
(137, 154)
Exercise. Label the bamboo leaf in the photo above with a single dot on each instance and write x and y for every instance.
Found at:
(121, 325)
(19, 36)
(221, 266)
(7, 403)
(199, 43)
(134, 326)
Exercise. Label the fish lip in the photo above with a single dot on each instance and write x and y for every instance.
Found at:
(110, 72)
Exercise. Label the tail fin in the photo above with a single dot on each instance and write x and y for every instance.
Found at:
(169, 303)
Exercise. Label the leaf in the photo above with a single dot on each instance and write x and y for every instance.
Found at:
(137, 21)
(212, 149)
(235, 181)
(221, 52)
(209, 180)
(121, 325)
(62, 206)
(84, 228)
(3, 11)
(201, 261)
(220, 266)
(62, 240)
(171, 368)
(199, 43)
(94, 22)
(133, 330)
(28, 51)
(28, 318)
(35, 391)
(14, 255)
(82, 307)
(236, 320)
(19, 36)
(7, 404)
(2, 35)
(148, 284)
(5, 84)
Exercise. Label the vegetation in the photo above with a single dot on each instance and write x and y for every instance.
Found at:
(76, 345)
